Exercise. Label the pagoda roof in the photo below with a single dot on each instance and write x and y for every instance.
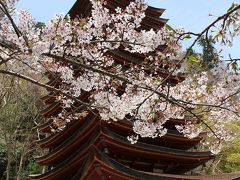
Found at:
(89, 148)
(172, 139)
(50, 98)
(76, 160)
(116, 142)
(82, 9)
(51, 110)
(57, 138)
(150, 21)
(97, 165)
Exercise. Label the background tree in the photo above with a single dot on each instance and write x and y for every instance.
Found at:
(228, 160)
(18, 120)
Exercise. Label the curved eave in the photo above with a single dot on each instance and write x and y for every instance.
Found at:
(73, 161)
(155, 11)
(173, 138)
(50, 98)
(121, 144)
(51, 110)
(55, 139)
(83, 9)
(123, 127)
(140, 149)
(148, 22)
(46, 127)
(99, 165)
(54, 82)
(150, 10)
(95, 168)
(82, 6)
(71, 144)
(63, 169)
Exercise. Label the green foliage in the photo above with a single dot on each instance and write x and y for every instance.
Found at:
(193, 62)
(187, 37)
(39, 25)
(168, 27)
(229, 159)
(207, 59)
(209, 55)
(234, 158)
(193, 59)
(19, 105)
(31, 168)
(232, 7)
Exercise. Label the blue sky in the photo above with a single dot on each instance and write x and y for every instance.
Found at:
(192, 15)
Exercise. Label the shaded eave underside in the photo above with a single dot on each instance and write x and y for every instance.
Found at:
(100, 165)
(121, 127)
(93, 128)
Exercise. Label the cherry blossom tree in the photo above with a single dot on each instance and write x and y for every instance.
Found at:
(77, 52)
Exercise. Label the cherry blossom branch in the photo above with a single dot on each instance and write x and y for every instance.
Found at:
(75, 62)
(181, 36)
(125, 80)
(5, 10)
(213, 105)
(166, 97)
(199, 119)
(21, 76)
